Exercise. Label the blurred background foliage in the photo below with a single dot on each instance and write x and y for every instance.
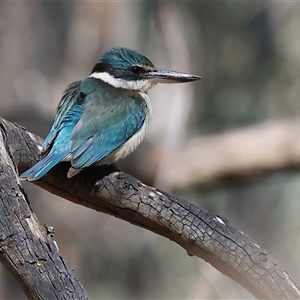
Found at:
(248, 54)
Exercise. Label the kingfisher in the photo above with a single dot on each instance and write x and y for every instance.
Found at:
(104, 117)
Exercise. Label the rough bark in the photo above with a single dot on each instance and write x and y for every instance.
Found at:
(201, 233)
(27, 249)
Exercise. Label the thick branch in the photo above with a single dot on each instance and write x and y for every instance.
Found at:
(26, 247)
(201, 233)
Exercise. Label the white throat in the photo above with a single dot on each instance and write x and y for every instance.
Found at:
(139, 85)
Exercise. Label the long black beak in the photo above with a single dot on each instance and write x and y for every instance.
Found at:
(168, 76)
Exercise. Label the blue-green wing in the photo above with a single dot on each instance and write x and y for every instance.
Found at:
(70, 96)
(108, 121)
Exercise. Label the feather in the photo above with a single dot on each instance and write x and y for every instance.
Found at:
(100, 132)
(69, 98)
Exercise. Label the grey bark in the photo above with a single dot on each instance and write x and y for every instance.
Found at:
(31, 256)
(27, 249)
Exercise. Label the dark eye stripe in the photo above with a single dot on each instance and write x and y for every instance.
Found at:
(101, 67)
(131, 73)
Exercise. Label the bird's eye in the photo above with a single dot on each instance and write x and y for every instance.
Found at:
(136, 69)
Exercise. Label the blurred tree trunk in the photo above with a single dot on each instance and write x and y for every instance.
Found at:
(230, 156)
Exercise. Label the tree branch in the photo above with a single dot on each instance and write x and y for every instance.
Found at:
(241, 153)
(27, 249)
(230, 156)
(201, 233)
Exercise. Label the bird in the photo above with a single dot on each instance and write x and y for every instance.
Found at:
(104, 117)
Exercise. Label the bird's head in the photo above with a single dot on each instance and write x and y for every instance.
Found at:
(125, 68)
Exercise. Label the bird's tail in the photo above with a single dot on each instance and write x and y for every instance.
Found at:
(43, 166)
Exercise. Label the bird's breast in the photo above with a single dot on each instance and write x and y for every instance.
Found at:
(131, 144)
